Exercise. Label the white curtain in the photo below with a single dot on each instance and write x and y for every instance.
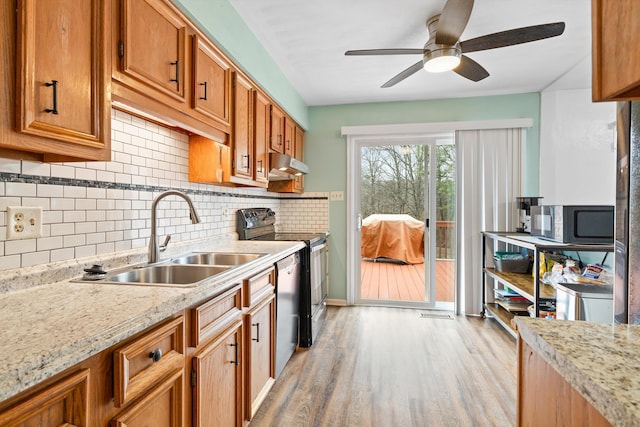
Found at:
(489, 178)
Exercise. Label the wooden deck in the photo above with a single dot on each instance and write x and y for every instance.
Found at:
(404, 282)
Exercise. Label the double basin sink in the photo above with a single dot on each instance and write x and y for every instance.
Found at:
(187, 270)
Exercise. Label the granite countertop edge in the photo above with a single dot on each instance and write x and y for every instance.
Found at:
(22, 371)
(599, 393)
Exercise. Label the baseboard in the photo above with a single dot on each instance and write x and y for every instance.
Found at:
(337, 302)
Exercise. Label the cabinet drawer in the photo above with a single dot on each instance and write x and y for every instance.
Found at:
(143, 362)
(258, 286)
(213, 316)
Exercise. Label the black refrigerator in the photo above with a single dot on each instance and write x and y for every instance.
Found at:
(626, 290)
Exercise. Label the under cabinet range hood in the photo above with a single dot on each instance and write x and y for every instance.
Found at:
(285, 167)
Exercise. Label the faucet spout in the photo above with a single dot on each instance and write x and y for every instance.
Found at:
(154, 252)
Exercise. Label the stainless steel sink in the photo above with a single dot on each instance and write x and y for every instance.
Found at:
(167, 275)
(217, 258)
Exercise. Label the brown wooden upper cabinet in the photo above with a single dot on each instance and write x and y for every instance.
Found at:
(298, 182)
(277, 129)
(261, 123)
(616, 65)
(211, 83)
(151, 49)
(62, 78)
(242, 127)
(289, 135)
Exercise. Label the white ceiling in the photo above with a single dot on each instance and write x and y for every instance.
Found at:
(308, 38)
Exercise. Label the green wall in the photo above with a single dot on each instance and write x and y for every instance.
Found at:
(220, 21)
(326, 149)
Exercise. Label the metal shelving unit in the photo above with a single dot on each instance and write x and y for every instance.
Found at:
(528, 285)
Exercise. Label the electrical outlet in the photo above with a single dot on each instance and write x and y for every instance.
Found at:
(336, 195)
(24, 222)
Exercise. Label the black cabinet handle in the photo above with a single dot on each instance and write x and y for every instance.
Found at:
(53, 84)
(247, 157)
(156, 355)
(288, 144)
(204, 98)
(260, 168)
(257, 338)
(177, 64)
(279, 140)
(237, 361)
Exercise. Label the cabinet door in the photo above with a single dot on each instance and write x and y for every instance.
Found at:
(152, 48)
(289, 135)
(277, 129)
(616, 66)
(63, 72)
(63, 404)
(260, 362)
(242, 135)
(217, 381)
(161, 406)
(211, 83)
(298, 182)
(209, 161)
(262, 110)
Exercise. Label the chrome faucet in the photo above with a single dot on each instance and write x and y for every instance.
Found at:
(154, 253)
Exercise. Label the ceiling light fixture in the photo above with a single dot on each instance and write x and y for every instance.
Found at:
(442, 59)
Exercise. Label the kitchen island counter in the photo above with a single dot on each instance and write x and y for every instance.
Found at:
(600, 361)
(47, 328)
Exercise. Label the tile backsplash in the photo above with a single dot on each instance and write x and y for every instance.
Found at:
(96, 208)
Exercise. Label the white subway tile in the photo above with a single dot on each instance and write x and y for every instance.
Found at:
(48, 243)
(62, 229)
(36, 168)
(62, 171)
(9, 262)
(74, 240)
(63, 255)
(74, 216)
(12, 247)
(20, 189)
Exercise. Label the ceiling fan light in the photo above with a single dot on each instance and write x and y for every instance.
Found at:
(440, 60)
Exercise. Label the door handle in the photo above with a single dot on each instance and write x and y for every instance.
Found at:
(426, 223)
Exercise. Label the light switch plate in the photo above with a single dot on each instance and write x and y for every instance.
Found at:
(336, 195)
(24, 222)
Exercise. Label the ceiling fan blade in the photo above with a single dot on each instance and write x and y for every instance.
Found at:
(384, 52)
(512, 37)
(470, 69)
(453, 20)
(404, 74)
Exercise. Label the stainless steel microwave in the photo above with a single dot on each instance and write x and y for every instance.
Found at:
(581, 224)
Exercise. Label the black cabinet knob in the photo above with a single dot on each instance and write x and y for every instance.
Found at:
(156, 355)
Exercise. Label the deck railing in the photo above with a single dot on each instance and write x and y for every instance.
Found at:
(445, 239)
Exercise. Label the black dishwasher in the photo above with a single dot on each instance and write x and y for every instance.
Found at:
(288, 274)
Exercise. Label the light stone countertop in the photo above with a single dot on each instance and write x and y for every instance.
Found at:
(601, 361)
(47, 328)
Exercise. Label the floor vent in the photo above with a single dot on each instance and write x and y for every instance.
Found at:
(437, 316)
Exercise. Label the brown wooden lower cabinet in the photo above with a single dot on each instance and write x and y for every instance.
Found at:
(260, 360)
(196, 368)
(162, 405)
(217, 380)
(546, 398)
(61, 404)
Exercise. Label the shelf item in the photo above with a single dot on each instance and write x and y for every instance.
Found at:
(516, 292)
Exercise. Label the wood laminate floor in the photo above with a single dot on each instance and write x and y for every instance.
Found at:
(387, 367)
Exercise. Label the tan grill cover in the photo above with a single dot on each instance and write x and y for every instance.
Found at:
(396, 236)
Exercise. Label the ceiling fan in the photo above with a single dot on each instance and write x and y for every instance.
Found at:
(444, 51)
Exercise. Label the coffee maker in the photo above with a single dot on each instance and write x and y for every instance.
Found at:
(523, 205)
